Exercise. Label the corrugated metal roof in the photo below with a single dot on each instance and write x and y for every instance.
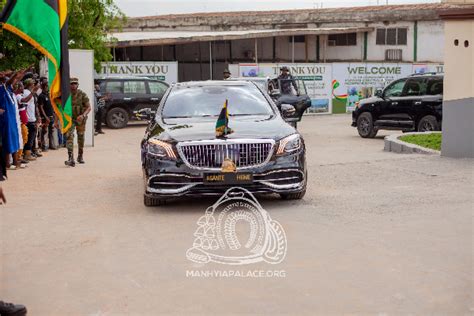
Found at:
(179, 37)
(378, 8)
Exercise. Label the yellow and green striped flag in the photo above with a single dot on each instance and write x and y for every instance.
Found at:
(43, 24)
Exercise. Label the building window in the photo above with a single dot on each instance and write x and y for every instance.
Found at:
(346, 39)
(391, 36)
(298, 38)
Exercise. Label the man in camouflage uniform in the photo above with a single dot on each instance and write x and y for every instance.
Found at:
(80, 108)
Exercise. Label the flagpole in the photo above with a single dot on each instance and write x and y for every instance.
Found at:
(210, 59)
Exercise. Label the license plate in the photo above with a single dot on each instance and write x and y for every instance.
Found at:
(228, 178)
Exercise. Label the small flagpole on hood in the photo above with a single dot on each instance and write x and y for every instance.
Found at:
(226, 126)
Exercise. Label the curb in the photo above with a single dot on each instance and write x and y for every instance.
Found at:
(392, 143)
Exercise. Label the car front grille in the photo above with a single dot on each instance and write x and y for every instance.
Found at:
(210, 154)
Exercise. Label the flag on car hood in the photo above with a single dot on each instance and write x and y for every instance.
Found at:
(43, 24)
(222, 125)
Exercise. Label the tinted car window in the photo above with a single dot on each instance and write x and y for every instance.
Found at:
(395, 89)
(134, 87)
(198, 101)
(113, 87)
(415, 87)
(157, 87)
(435, 86)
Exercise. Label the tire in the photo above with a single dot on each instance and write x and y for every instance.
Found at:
(117, 118)
(428, 123)
(150, 201)
(365, 125)
(293, 196)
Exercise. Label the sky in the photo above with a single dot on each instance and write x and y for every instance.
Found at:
(158, 7)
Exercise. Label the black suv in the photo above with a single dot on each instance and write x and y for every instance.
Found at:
(409, 104)
(128, 97)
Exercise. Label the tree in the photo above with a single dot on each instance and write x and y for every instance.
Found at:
(89, 23)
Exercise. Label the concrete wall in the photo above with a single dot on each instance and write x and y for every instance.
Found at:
(458, 106)
(459, 64)
(339, 53)
(377, 52)
(82, 67)
(430, 41)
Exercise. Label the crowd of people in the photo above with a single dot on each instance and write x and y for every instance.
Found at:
(29, 126)
(27, 118)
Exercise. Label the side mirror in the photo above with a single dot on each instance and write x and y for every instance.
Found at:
(379, 93)
(287, 110)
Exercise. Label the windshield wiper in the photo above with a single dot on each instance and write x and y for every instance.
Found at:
(241, 114)
(190, 116)
(173, 117)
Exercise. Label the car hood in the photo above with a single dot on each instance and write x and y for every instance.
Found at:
(190, 129)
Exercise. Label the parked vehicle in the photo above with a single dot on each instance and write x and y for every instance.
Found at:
(409, 104)
(128, 96)
(299, 100)
(181, 154)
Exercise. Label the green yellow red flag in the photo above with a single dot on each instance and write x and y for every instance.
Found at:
(43, 24)
(222, 124)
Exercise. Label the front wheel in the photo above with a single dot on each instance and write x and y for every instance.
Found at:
(428, 123)
(117, 118)
(365, 125)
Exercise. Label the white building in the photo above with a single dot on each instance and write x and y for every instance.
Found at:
(204, 44)
(408, 33)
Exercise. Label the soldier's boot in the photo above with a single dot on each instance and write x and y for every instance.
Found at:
(70, 162)
(80, 157)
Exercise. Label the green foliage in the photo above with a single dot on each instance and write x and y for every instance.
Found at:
(432, 141)
(89, 23)
(17, 53)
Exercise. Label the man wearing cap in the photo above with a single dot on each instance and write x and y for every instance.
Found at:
(226, 74)
(80, 108)
(285, 80)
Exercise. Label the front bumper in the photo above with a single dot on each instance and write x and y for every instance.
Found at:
(171, 178)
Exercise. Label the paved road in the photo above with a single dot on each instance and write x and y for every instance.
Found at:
(376, 233)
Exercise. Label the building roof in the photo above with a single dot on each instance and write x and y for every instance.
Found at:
(274, 19)
(377, 8)
(125, 39)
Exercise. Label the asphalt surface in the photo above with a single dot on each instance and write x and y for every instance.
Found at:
(377, 233)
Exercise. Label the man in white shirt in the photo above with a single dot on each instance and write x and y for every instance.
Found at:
(29, 100)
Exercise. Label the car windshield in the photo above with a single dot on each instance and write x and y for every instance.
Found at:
(200, 101)
(262, 84)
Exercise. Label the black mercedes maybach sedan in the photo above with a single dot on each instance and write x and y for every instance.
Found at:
(183, 155)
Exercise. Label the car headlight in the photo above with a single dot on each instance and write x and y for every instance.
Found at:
(289, 144)
(160, 149)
